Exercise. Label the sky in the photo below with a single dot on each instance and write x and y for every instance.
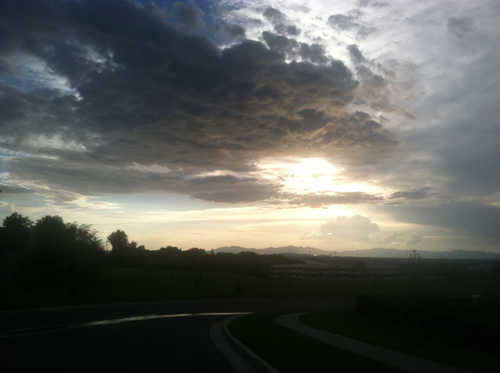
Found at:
(339, 125)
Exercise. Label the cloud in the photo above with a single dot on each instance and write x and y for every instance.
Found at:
(225, 32)
(320, 200)
(374, 90)
(462, 217)
(413, 239)
(356, 228)
(294, 50)
(229, 189)
(412, 194)
(351, 22)
(280, 43)
(355, 54)
(7, 190)
(142, 90)
(405, 240)
(371, 3)
(470, 159)
(280, 22)
(189, 17)
(57, 178)
(460, 26)
(342, 22)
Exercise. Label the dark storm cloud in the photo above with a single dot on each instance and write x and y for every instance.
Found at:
(469, 158)
(350, 22)
(225, 32)
(343, 22)
(460, 26)
(42, 111)
(314, 53)
(96, 179)
(355, 53)
(474, 171)
(374, 89)
(463, 217)
(79, 177)
(280, 22)
(8, 190)
(368, 3)
(151, 93)
(295, 50)
(420, 193)
(189, 17)
(320, 200)
(280, 43)
(232, 189)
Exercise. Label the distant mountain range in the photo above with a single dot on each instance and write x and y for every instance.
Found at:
(369, 253)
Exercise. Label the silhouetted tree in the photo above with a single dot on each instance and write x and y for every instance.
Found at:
(251, 262)
(196, 258)
(51, 241)
(125, 253)
(120, 247)
(65, 253)
(168, 258)
(135, 246)
(84, 254)
(194, 255)
(118, 240)
(16, 221)
(415, 274)
(17, 229)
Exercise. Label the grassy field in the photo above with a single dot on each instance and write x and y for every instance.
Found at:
(111, 285)
(288, 351)
(395, 337)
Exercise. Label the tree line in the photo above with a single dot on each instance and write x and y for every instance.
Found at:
(54, 253)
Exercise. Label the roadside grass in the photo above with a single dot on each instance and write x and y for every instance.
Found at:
(111, 285)
(355, 325)
(288, 351)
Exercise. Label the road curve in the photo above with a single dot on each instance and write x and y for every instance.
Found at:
(166, 344)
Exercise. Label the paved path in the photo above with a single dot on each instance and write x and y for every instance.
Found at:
(400, 360)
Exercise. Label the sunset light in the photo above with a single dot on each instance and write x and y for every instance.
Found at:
(205, 123)
(306, 175)
(197, 158)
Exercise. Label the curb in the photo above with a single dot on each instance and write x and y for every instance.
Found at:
(256, 359)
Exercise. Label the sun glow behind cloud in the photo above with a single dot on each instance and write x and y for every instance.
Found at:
(297, 114)
(310, 176)
(303, 175)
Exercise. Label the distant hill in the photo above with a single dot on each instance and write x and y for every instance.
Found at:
(369, 253)
(274, 250)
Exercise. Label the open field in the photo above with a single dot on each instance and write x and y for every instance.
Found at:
(112, 285)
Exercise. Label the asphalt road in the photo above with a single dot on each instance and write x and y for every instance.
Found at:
(67, 339)
(177, 344)
(32, 318)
